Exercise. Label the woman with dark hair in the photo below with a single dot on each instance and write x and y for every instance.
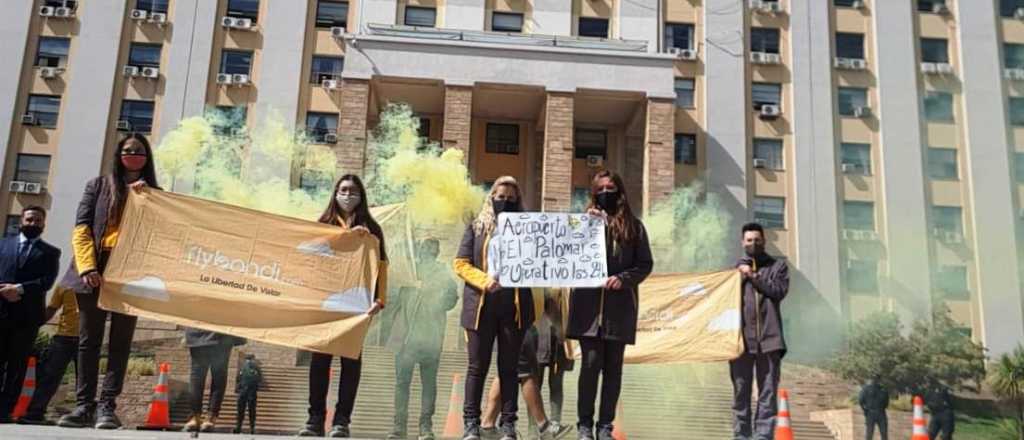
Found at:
(349, 210)
(604, 319)
(97, 222)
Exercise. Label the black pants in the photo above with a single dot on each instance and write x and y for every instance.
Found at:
(768, 368)
(497, 322)
(91, 323)
(212, 359)
(556, 396)
(348, 386)
(62, 351)
(246, 401)
(942, 422)
(601, 358)
(876, 418)
(15, 347)
(405, 363)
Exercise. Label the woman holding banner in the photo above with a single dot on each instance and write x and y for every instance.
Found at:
(491, 312)
(96, 224)
(348, 210)
(604, 319)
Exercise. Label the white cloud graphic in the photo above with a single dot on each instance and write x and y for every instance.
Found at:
(320, 248)
(729, 320)
(148, 287)
(695, 289)
(354, 300)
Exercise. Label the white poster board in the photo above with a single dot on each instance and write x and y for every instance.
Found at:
(542, 249)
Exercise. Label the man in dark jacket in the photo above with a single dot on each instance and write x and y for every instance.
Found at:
(874, 400)
(247, 385)
(940, 404)
(28, 268)
(765, 285)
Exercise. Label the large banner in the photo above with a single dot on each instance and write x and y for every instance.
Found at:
(543, 249)
(237, 271)
(688, 318)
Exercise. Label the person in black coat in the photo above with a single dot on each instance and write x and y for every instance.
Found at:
(604, 319)
(28, 268)
(208, 352)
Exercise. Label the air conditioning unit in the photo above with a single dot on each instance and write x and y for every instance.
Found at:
(150, 72)
(244, 24)
(240, 79)
(1019, 14)
(765, 6)
(760, 163)
(683, 54)
(330, 84)
(770, 111)
(858, 64)
(130, 71)
(224, 78)
(123, 125)
(33, 188)
(331, 138)
(49, 72)
(46, 11)
(953, 237)
(1014, 74)
(841, 63)
(595, 161)
(868, 235)
(139, 14)
(338, 32)
(757, 57)
(772, 58)
(940, 8)
(862, 112)
(16, 186)
(64, 12)
(158, 18)
(929, 68)
(944, 68)
(850, 168)
(28, 119)
(228, 22)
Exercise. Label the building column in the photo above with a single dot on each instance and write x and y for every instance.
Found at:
(85, 114)
(458, 118)
(659, 151)
(987, 168)
(464, 15)
(351, 148)
(902, 170)
(188, 62)
(14, 33)
(556, 177)
(280, 76)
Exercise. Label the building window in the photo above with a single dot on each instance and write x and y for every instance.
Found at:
(1013, 55)
(768, 152)
(33, 168)
(850, 98)
(770, 212)
(1018, 162)
(928, 5)
(764, 40)
(1016, 111)
(1008, 8)
(580, 199)
(507, 22)
(45, 109)
(139, 115)
(144, 55)
(938, 107)
(856, 158)
(502, 138)
(152, 6)
(326, 68)
(244, 9)
(52, 52)
(319, 125)
(686, 149)
(934, 50)
(679, 35)
(942, 164)
(850, 45)
(948, 219)
(423, 17)
(844, 3)
(684, 92)
(331, 13)
(235, 62)
(61, 3)
(590, 143)
(951, 281)
(862, 276)
(593, 27)
(859, 216)
(766, 94)
(13, 225)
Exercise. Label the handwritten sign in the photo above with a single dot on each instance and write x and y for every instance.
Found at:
(539, 249)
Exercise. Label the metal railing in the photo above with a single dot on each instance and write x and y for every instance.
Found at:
(536, 40)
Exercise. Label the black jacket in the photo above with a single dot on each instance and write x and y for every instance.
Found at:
(762, 304)
(36, 276)
(612, 315)
(471, 255)
(195, 337)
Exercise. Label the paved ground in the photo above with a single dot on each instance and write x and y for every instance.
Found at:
(18, 432)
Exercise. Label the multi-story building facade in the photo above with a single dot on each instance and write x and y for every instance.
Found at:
(882, 142)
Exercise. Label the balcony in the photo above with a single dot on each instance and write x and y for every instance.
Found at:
(509, 38)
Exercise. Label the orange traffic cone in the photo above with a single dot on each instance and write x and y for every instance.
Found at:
(28, 389)
(920, 431)
(783, 424)
(159, 417)
(453, 423)
(618, 433)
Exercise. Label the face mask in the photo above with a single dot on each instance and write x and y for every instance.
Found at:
(753, 250)
(608, 202)
(501, 206)
(134, 162)
(31, 232)
(348, 202)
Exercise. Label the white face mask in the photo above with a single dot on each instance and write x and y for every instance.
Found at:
(347, 202)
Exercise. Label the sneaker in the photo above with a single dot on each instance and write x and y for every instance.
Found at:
(585, 433)
(552, 430)
(395, 435)
(427, 436)
(489, 433)
(605, 432)
(471, 432)
(192, 425)
(314, 428)
(108, 420)
(339, 431)
(209, 424)
(78, 418)
(508, 432)
(34, 419)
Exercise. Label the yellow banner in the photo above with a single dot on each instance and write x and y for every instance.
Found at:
(246, 273)
(688, 318)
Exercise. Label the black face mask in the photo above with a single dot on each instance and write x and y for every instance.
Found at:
(31, 232)
(608, 202)
(501, 206)
(754, 250)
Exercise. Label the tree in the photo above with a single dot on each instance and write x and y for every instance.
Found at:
(1006, 380)
(945, 354)
(877, 348)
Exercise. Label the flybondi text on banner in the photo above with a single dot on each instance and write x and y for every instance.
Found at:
(237, 271)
